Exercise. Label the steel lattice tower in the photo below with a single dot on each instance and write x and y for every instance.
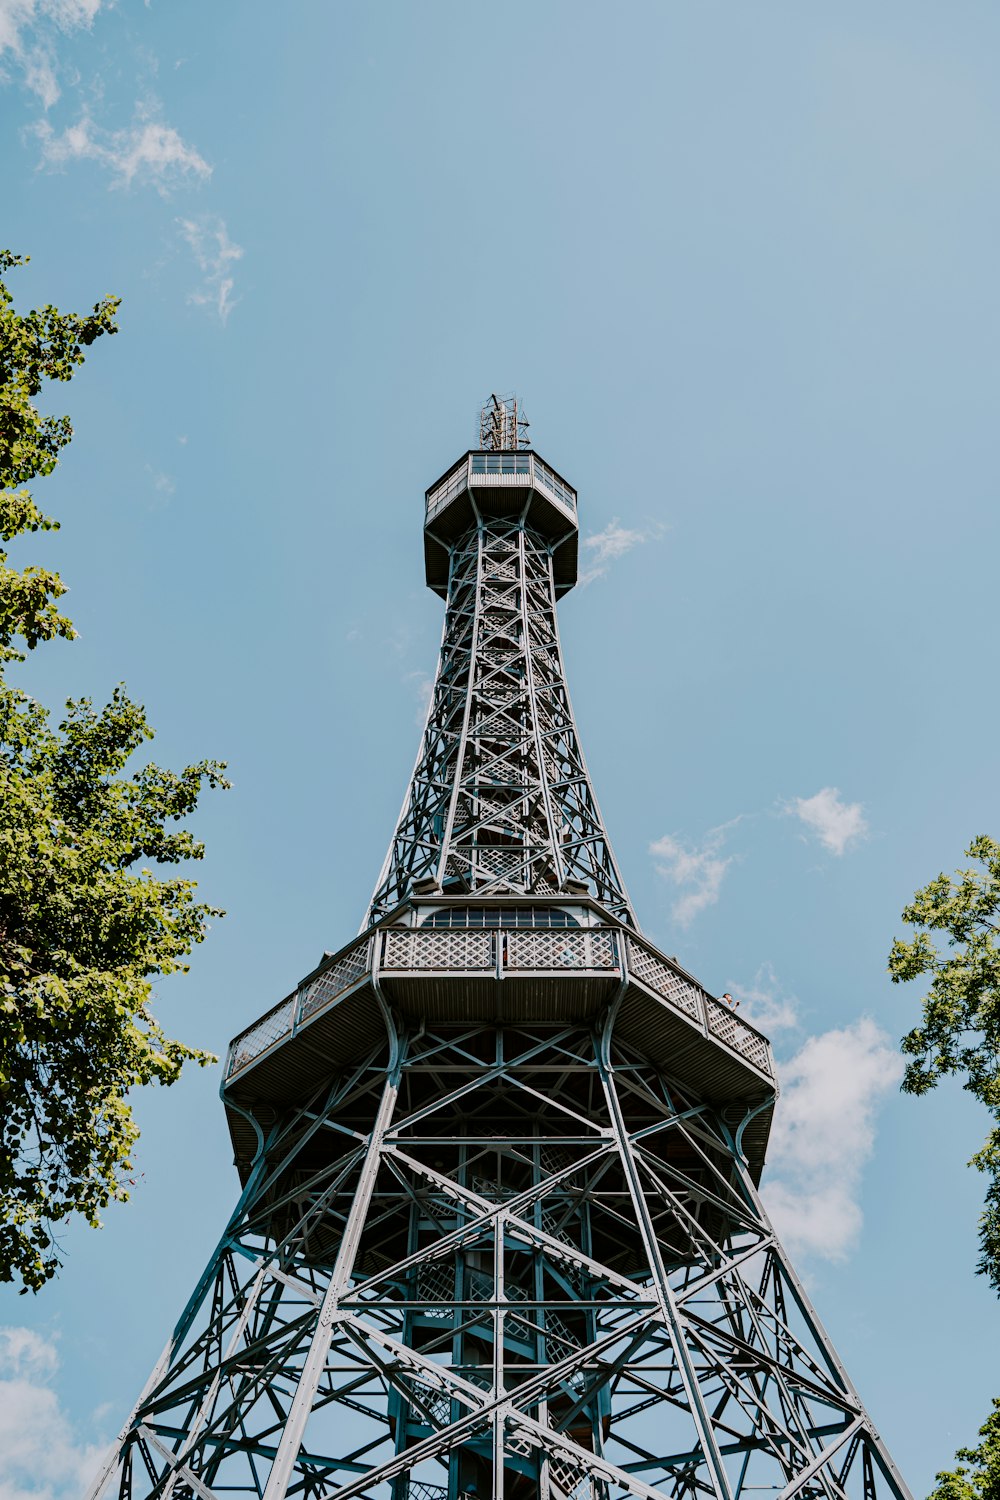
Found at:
(500, 1230)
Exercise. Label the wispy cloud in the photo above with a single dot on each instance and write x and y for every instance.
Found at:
(161, 482)
(216, 255)
(163, 487)
(423, 686)
(837, 824)
(145, 153)
(765, 1002)
(603, 548)
(42, 1457)
(29, 30)
(824, 1132)
(697, 870)
(148, 152)
(39, 69)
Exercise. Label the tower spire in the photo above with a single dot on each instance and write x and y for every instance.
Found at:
(499, 1236)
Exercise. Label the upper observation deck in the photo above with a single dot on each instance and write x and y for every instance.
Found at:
(500, 485)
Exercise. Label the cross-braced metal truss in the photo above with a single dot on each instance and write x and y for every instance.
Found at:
(500, 799)
(501, 1261)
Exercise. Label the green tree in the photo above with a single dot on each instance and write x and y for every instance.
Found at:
(982, 1481)
(960, 1028)
(86, 927)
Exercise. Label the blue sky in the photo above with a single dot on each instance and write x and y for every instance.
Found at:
(740, 263)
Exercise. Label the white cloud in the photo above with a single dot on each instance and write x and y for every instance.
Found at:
(216, 255)
(40, 75)
(423, 686)
(28, 31)
(42, 1458)
(765, 1004)
(18, 16)
(146, 153)
(605, 547)
(824, 1132)
(837, 824)
(163, 487)
(27, 1353)
(162, 483)
(697, 870)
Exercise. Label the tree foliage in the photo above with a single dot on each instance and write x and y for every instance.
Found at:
(34, 347)
(86, 926)
(982, 1480)
(960, 1029)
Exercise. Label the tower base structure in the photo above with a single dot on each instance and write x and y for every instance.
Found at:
(512, 1256)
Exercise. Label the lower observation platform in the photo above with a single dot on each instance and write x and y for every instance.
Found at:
(494, 970)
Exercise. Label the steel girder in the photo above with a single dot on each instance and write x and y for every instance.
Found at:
(500, 1261)
(500, 800)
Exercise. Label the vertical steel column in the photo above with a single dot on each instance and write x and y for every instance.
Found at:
(312, 1369)
(499, 1320)
(183, 1325)
(668, 1309)
(819, 1333)
(460, 753)
(544, 790)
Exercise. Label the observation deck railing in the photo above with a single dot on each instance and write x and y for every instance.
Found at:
(489, 469)
(512, 950)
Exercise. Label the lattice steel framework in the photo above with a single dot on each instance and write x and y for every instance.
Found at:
(500, 1233)
(500, 800)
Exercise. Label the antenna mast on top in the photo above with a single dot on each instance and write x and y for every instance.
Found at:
(503, 425)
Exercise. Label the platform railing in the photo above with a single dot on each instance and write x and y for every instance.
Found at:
(733, 1032)
(272, 1027)
(452, 484)
(547, 479)
(284, 1019)
(718, 1020)
(488, 469)
(512, 950)
(477, 949)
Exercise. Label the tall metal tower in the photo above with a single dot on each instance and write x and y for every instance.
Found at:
(499, 1232)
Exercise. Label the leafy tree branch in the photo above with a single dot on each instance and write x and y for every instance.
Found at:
(86, 925)
(977, 1472)
(959, 1033)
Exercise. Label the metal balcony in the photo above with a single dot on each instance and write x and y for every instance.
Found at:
(507, 976)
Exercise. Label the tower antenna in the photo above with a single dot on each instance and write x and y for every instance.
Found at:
(503, 427)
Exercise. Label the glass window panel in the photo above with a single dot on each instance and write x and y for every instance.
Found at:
(495, 916)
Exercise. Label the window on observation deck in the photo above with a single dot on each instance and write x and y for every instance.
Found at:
(545, 476)
(499, 916)
(501, 463)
